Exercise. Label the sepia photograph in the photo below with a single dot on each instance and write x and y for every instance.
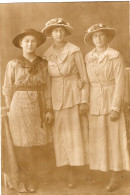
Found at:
(65, 98)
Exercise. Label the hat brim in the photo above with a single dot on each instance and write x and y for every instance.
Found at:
(48, 29)
(39, 36)
(88, 36)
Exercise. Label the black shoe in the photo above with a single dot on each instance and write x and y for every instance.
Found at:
(112, 187)
(30, 189)
(114, 182)
(71, 186)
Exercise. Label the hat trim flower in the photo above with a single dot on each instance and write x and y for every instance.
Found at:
(96, 28)
(56, 22)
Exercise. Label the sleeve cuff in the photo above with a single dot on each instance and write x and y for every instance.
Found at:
(49, 110)
(84, 101)
(115, 109)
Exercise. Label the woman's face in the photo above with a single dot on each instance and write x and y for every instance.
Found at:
(58, 34)
(28, 44)
(99, 39)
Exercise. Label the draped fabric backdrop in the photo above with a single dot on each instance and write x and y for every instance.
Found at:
(16, 16)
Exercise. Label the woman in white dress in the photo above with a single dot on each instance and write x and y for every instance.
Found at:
(108, 149)
(27, 94)
(66, 66)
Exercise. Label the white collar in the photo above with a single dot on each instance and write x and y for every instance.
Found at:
(101, 56)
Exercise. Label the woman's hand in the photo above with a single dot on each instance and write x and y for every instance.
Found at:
(114, 115)
(8, 102)
(80, 83)
(83, 108)
(49, 117)
(8, 113)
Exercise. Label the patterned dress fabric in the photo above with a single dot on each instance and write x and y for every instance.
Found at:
(24, 115)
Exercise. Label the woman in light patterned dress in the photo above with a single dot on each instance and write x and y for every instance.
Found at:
(66, 66)
(108, 149)
(27, 94)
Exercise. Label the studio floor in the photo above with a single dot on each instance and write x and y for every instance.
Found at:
(90, 183)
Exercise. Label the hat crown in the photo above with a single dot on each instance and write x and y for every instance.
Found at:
(28, 30)
(98, 26)
(56, 21)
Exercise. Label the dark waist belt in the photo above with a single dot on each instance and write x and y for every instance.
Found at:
(31, 88)
(38, 89)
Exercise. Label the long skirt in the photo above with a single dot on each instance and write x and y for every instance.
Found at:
(34, 163)
(25, 121)
(70, 133)
(9, 163)
(108, 143)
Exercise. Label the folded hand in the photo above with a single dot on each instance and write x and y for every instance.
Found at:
(114, 115)
(80, 83)
(83, 108)
(49, 117)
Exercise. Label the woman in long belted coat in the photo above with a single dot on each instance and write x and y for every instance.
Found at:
(66, 66)
(27, 94)
(107, 130)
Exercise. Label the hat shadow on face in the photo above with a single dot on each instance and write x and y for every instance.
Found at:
(107, 35)
(20, 40)
(51, 30)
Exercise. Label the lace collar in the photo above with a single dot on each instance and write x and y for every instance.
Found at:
(100, 57)
(64, 50)
(109, 53)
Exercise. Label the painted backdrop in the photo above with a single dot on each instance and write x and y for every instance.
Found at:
(81, 15)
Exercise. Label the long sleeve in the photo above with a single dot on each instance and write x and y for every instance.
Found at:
(47, 90)
(8, 82)
(119, 73)
(83, 75)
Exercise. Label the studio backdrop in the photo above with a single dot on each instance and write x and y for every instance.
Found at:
(81, 15)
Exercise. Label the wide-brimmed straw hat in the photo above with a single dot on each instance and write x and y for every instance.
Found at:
(99, 27)
(57, 22)
(39, 36)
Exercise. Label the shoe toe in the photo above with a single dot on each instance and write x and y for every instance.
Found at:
(70, 185)
(31, 190)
